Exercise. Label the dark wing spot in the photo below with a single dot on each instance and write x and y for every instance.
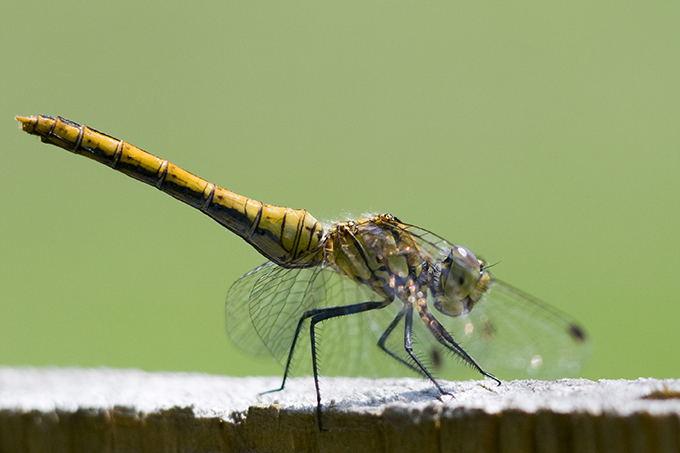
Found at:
(488, 330)
(577, 333)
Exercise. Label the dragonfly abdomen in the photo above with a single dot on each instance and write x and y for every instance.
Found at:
(284, 235)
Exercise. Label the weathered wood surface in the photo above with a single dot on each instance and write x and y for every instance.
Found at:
(128, 410)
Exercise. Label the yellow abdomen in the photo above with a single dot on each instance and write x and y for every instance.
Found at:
(286, 236)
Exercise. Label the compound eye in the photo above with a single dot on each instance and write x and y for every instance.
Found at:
(465, 258)
(460, 272)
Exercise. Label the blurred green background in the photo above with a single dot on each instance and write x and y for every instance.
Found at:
(541, 135)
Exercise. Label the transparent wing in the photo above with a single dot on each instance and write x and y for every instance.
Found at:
(264, 305)
(513, 335)
(348, 345)
(429, 244)
(264, 308)
(509, 333)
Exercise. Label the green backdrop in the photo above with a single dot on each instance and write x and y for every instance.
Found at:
(543, 136)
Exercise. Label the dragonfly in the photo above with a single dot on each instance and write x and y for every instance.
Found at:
(373, 291)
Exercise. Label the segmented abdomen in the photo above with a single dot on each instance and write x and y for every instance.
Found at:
(284, 235)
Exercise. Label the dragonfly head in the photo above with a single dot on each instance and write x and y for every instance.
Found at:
(461, 283)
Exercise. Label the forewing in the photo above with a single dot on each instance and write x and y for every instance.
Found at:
(430, 244)
(513, 335)
(509, 333)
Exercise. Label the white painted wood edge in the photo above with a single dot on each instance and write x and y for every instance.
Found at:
(114, 410)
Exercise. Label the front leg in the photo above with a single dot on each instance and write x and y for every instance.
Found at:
(408, 345)
(445, 339)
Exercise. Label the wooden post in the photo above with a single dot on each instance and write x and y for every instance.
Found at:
(128, 410)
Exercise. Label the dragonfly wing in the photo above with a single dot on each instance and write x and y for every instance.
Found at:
(514, 335)
(509, 333)
(239, 325)
(265, 306)
(430, 244)
(348, 345)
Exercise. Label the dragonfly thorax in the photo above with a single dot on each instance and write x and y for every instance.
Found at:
(459, 281)
(375, 252)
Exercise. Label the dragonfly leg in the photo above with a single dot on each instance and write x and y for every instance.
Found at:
(446, 340)
(387, 333)
(321, 314)
(289, 360)
(408, 345)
